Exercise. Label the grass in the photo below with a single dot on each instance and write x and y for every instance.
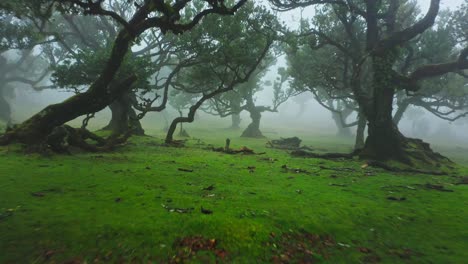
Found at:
(109, 207)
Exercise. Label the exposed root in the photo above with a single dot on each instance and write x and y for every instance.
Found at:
(176, 143)
(417, 155)
(306, 154)
(63, 137)
(252, 132)
(421, 151)
(382, 165)
(6, 139)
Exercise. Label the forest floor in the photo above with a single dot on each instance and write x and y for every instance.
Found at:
(143, 203)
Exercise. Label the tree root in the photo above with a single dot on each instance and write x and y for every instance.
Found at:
(63, 137)
(6, 139)
(382, 165)
(306, 154)
(176, 143)
(416, 152)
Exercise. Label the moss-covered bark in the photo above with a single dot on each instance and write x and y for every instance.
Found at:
(101, 93)
(124, 117)
(253, 129)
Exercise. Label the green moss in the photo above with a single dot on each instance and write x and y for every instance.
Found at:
(109, 206)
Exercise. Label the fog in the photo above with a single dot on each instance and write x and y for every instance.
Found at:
(289, 120)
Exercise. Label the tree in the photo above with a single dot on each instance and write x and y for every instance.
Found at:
(280, 96)
(220, 62)
(19, 64)
(320, 61)
(385, 34)
(105, 89)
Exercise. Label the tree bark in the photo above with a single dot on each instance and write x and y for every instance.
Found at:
(342, 131)
(101, 93)
(402, 107)
(235, 121)
(253, 129)
(361, 127)
(384, 140)
(124, 117)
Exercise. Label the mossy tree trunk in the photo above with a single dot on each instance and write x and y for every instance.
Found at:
(253, 129)
(124, 116)
(402, 107)
(361, 127)
(384, 140)
(101, 93)
(104, 90)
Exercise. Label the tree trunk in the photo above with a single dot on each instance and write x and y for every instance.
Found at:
(100, 94)
(384, 140)
(402, 107)
(253, 129)
(361, 127)
(302, 108)
(235, 121)
(342, 131)
(124, 117)
(235, 104)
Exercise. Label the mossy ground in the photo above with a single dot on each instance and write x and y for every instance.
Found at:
(108, 207)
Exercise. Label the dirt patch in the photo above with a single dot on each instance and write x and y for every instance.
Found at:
(300, 247)
(198, 249)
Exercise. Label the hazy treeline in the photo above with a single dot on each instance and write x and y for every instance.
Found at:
(364, 69)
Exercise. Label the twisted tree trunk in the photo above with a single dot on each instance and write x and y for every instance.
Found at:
(124, 117)
(101, 93)
(337, 118)
(253, 129)
(384, 140)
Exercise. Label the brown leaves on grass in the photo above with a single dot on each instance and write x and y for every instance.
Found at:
(300, 247)
(188, 248)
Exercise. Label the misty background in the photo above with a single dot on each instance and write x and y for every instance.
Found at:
(291, 119)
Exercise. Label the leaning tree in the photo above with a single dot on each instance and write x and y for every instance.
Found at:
(87, 41)
(149, 15)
